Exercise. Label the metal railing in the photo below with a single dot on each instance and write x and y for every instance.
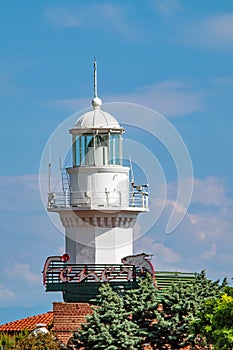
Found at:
(138, 199)
(59, 273)
(108, 199)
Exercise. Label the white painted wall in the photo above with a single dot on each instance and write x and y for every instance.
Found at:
(99, 245)
(102, 187)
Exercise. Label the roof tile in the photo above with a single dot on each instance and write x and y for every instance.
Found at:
(27, 323)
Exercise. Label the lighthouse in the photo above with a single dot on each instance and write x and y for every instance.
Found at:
(98, 207)
(99, 204)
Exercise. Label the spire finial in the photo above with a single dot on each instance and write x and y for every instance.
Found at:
(96, 102)
(95, 78)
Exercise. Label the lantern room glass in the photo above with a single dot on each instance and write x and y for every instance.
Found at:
(97, 149)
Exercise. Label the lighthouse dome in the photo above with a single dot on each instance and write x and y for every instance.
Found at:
(97, 118)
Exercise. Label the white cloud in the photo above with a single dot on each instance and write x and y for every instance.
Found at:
(211, 32)
(202, 236)
(224, 81)
(193, 218)
(211, 252)
(210, 191)
(213, 225)
(29, 181)
(102, 16)
(20, 193)
(214, 217)
(6, 296)
(23, 272)
(162, 255)
(171, 98)
(167, 8)
(63, 17)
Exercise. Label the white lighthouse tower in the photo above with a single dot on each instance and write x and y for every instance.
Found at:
(99, 205)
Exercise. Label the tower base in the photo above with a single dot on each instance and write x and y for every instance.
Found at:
(98, 237)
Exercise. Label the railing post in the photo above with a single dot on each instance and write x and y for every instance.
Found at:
(133, 198)
(66, 199)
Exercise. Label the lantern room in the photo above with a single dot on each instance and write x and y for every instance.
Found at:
(97, 138)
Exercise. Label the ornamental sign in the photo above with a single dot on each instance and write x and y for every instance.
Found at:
(58, 270)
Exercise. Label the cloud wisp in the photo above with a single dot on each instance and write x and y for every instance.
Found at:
(204, 238)
(23, 272)
(170, 98)
(214, 32)
(103, 16)
(7, 296)
(167, 8)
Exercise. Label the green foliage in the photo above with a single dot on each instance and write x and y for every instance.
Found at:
(109, 327)
(145, 315)
(180, 306)
(215, 322)
(142, 304)
(8, 341)
(39, 342)
(228, 290)
(25, 341)
(164, 317)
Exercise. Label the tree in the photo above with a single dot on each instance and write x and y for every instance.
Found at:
(145, 315)
(164, 317)
(180, 306)
(109, 327)
(215, 322)
(8, 341)
(39, 342)
(142, 304)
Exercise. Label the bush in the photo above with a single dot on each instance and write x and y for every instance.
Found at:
(26, 341)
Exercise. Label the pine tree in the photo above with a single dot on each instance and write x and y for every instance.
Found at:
(180, 306)
(164, 317)
(109, 327)
(142, 304)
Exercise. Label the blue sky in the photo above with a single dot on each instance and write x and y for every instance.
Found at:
(170, 55)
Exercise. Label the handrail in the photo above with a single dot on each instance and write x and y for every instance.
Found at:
(61, 272)
(110, 199)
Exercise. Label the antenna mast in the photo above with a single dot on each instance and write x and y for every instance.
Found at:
(95, 78)
(96, 101)
(131, 170)
(49, 166)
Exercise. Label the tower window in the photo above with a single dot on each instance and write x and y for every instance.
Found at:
(97, 149)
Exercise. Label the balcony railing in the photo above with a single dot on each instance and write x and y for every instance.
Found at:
(59, 273)
(81, 282)
(138, 199)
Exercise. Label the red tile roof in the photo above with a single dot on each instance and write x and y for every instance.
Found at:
(27, 323)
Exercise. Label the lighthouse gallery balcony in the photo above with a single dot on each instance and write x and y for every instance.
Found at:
(138, 200)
